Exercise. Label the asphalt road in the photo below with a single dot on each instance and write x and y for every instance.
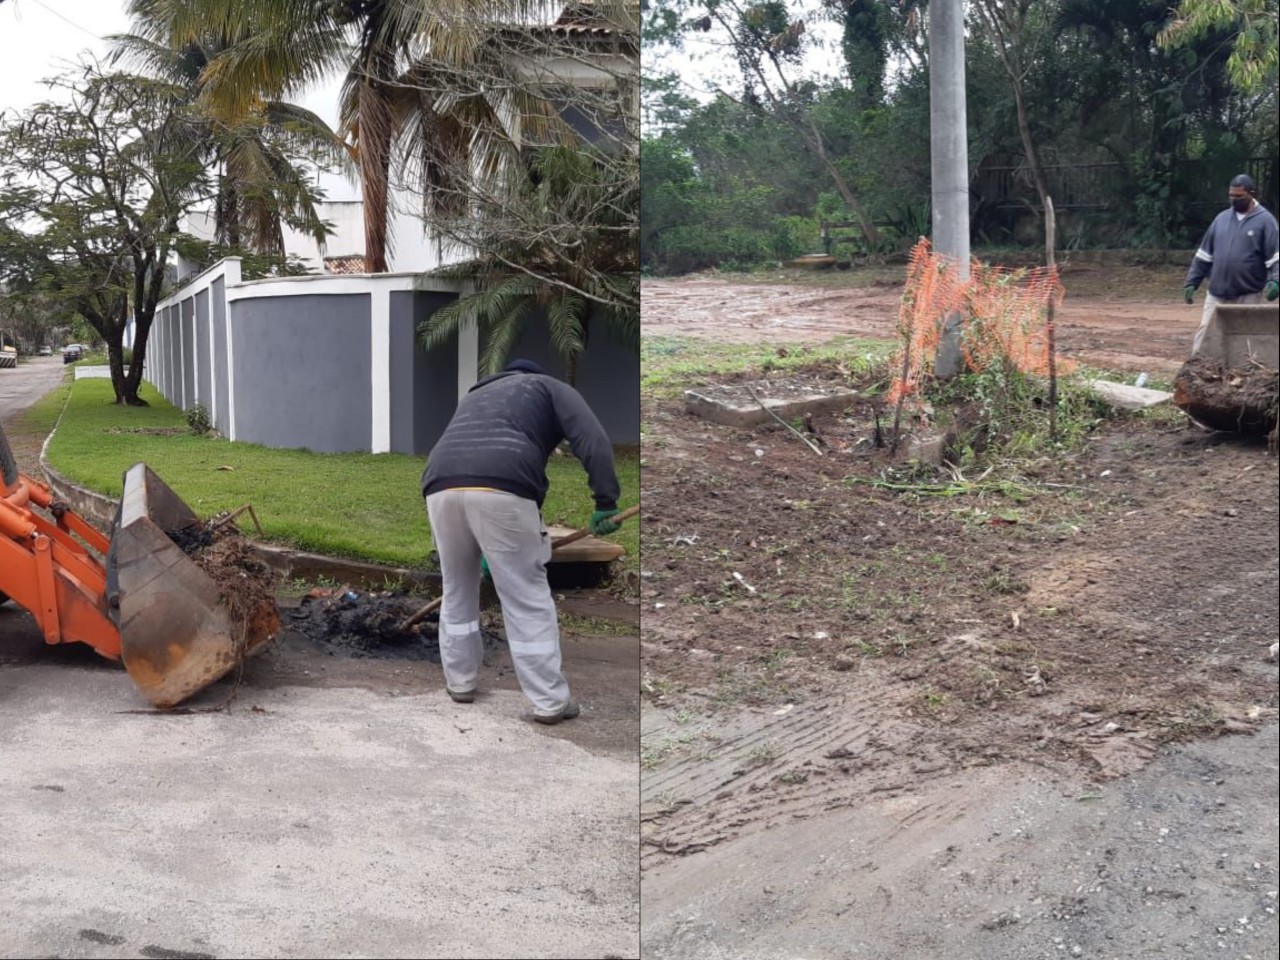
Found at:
(28, 382)
(369, 817)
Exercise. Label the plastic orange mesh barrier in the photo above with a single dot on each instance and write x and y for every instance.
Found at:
(1005, 313)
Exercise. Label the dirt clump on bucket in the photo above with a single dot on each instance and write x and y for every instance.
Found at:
(1236, 400)
(246, 584)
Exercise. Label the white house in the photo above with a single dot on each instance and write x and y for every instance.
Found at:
(412, 251)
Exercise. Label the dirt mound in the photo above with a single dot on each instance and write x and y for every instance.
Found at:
(245, 584)
(350, 624)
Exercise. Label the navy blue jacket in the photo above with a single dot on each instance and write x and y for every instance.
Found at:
(1239, 256)
(504, 430)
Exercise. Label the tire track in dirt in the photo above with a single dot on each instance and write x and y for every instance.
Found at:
(762, 769)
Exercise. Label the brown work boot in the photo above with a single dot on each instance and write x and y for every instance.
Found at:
(567, 712)
(464, 696)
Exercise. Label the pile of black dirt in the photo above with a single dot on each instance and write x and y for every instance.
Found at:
(347, 623)
(193, 539)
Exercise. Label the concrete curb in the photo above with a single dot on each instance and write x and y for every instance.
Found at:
(100, 510)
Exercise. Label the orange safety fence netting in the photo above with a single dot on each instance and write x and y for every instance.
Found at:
(1005, 313)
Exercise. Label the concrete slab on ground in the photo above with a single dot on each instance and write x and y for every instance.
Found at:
(731, 405)
(1126, 397)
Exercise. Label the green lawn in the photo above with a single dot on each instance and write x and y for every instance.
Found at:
(669, 364)
(365, 506)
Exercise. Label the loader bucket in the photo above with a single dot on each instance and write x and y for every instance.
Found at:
(1232, 384)
(176, 634)
(1243, 335)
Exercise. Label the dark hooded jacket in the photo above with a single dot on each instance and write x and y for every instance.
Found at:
(506, 428)
(1238, 255)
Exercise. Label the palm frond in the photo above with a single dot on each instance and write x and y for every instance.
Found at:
(567, 325)
(485, 308)
(502, 335)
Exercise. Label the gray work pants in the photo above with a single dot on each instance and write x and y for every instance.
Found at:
(508, 531)
(1210, 302)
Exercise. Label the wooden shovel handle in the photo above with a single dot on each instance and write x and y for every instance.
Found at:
(578, 534)
(434, 605)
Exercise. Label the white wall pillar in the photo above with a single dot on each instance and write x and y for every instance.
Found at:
(195, 348)
(380, 364)
(230, 278)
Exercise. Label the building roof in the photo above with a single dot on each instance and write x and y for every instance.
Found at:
(348, 264)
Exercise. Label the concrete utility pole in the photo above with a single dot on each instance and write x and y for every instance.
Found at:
(949, 159)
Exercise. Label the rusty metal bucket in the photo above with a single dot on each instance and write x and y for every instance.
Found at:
(1230, 383)
(176, 635)
(1241, 335)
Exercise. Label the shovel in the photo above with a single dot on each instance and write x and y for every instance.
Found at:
(556, 544)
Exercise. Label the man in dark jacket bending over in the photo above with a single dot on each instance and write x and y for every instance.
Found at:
(484, 484)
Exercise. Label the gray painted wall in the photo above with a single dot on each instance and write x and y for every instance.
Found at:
(401, 372)
(174, 380)
(608, 376)
(188, 355)
(435, 379)
(302, 371)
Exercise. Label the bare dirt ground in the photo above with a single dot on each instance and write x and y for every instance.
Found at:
(886, 722)
(1119, 318)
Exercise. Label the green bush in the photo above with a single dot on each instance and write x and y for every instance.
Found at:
(198, 420)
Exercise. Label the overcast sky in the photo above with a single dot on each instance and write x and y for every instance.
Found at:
(39, 38)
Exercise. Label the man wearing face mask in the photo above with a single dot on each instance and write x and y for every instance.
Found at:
(1239, 253)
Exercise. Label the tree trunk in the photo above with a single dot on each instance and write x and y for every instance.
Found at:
(133, 383)
(115, 360)
(1029, 145)
(232, 212)
(859, 212)
(1008, 35)
(375, 165)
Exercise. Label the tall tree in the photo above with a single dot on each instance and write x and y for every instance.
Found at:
(93, 191)
(1255, 45)
(547, 193)
(768, 42)
(281, 46)
(260, 156)
(1015, 28)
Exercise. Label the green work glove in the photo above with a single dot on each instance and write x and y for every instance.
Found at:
(601, 525)
(484, 568)
(1189, 294)
(1272, 289)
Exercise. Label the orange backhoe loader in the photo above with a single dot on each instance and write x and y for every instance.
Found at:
(136, 597)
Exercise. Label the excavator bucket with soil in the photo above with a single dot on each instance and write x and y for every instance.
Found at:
(1231, 384)
(177, 633)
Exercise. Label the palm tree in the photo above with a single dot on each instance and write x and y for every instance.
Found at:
(261, 183)
(281, 46)
(591, 275)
